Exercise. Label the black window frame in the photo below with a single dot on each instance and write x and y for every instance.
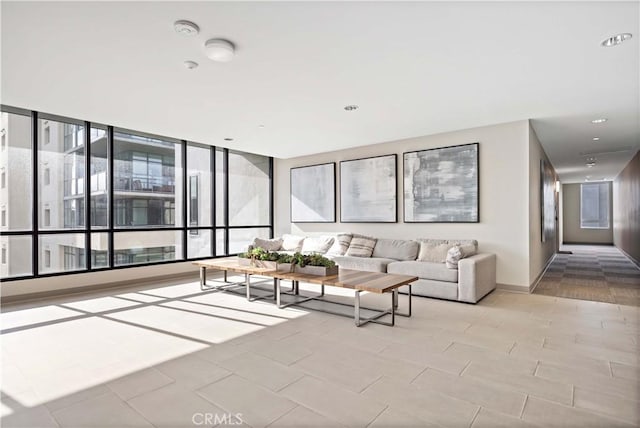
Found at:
(87, 228)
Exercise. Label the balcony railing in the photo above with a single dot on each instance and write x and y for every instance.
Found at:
(144, 184)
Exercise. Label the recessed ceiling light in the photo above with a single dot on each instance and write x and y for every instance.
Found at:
(601, 120)
(186, 28)
(228, 139)
(596, 138)
(191, 64)
(351, 107)
(591, 162)
(261, 126)
(615, 40)
(220, 50)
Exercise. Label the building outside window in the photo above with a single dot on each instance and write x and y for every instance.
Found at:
(149, 193)
(594, 205)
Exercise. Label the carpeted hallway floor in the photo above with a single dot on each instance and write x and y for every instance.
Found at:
(592, 272)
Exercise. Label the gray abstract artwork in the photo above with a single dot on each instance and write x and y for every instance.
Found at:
(441, 185)
(547, 201)
(313, 194)
(368, 190)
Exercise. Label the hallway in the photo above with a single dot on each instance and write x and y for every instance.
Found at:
(592, 272)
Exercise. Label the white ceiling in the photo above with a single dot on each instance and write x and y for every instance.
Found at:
(414, 68)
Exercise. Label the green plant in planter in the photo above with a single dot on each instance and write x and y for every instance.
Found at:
(259, 254)
(319, 260)
(303, 260)
(285, 258)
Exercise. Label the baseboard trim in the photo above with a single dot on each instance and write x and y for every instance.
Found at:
(32, 297)
(513, 288)
(604, 244)
(634, 261)
(535, 282)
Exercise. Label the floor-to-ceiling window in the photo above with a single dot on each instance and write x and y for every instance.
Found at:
(78, 196)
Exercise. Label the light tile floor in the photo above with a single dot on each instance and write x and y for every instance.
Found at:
(173, 356)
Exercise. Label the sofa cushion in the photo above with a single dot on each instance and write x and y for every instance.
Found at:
(433, 252)
(268, 244)
(361, 246)
(468, 250)
(292, 242)
(340, 244)
(459, 252)
(451, 242)
(453, 257)
(424, 270)
(369, 264)
(317, 244)
(398, 249)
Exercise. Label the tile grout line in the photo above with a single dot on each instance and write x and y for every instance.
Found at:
(418, 375)
(365, 388)
(465, 368)
(283, 415)
(475, 416)
(524, 405)
(610, 369)
(573, 395)
(173, 382)
(377, 416)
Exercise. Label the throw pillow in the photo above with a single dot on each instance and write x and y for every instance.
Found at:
(268, 244)
(340, 244)
(361, 246)
(292, 242)
(317, 244)
(468, 250)
(432, 252)
(453, 256)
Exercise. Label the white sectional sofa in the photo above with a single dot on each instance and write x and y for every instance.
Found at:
(473, 278)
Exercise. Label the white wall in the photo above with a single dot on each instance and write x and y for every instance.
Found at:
(504, 196)
(540, 253)
(92, 279)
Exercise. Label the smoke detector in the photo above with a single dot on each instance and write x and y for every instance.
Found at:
(186, 28)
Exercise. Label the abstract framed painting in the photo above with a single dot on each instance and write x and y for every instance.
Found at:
(313, 193)
(442, 185)
(547, 201)
(368, 190)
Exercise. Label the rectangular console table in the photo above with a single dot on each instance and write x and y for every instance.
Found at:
(359, 281)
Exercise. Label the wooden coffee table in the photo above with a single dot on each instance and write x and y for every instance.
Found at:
(230, 264)
(359, 281)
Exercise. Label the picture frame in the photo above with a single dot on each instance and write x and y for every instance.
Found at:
(442, 185)
(313, 193)
(368, 190)
(547, 202)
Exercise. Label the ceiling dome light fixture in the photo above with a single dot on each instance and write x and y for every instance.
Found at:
(190, 65)
(596, 138)
(351, 107)
(220, 50)
(591, 162)
(615, 40)
(186, 28)
(601, 120)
